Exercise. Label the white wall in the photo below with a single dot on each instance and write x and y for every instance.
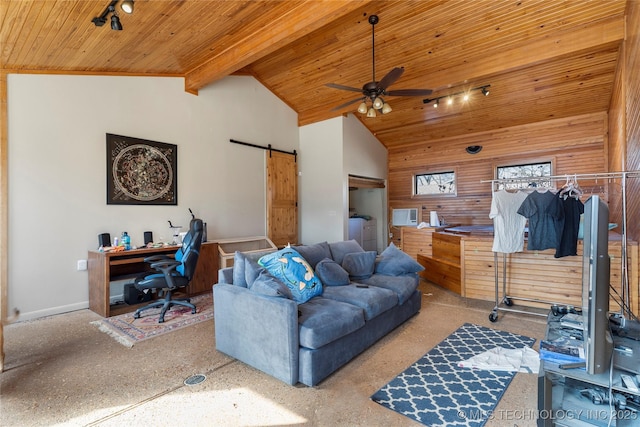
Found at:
(329, 152)
(365, 156)
(320, 193)
(57, 170)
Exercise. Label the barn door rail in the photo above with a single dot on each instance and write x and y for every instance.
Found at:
(294, 153)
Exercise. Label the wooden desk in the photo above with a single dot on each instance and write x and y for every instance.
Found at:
(105, 267)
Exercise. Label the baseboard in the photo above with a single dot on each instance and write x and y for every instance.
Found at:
(52, 311)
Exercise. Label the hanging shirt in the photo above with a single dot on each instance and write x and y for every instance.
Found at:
(568, 244)
(546, 217)
(508, 225)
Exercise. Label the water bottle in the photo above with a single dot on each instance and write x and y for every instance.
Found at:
(126, 241)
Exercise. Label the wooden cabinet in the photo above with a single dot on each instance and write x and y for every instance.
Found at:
(105, 267)
(365, 232)
(417, 241)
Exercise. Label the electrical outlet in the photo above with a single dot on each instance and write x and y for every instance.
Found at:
(390, 235)
(82, 264)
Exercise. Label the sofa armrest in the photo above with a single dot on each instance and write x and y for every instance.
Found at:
(225, 275)
(259, 330)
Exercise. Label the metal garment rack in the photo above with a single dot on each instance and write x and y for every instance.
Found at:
(625, 306)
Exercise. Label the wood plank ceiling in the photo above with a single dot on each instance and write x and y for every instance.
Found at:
(544, 59)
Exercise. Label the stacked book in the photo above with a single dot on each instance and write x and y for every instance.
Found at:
(562, 350)
(569, 347)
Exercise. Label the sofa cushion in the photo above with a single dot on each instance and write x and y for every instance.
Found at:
(340, 249)
(404, 286)
(324, 320)
(331, 273)
(292, 269)
(239, 260)
(251, 271)
(314, 253)
(266, 284)
(394, 262)
(372, 299)
(359, 265)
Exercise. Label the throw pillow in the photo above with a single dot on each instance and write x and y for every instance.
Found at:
(266, 284)
(292, 269)
(331, 273)
(340, 249)
(394, 262)
(360, 265)
(314, 253)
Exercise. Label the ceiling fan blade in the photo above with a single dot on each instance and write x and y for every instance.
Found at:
(391, 77)
(341, 106)
(409, 92)
(341, 87)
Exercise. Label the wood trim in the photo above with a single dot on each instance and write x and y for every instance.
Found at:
(363, 182)
(4, 200)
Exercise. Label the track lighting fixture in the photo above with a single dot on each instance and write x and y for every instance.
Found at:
(127, 7)
(115, 22)
(465, 96)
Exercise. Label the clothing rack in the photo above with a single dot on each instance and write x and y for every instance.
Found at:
(625, 304)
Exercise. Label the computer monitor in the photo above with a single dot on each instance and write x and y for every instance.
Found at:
(598, 342)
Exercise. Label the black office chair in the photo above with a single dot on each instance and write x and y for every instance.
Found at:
(174, 272)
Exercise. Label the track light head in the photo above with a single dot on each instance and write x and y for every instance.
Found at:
(485, 91)
(127, 6)
(115, 22)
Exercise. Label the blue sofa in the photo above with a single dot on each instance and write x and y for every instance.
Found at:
(258, 323)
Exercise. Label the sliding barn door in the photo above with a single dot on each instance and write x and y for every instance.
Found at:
(282, 198)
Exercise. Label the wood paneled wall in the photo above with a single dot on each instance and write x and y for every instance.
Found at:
(576, 145)
(632, 101)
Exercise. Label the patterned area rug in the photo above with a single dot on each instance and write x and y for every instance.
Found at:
(128, 331)
(435, 392)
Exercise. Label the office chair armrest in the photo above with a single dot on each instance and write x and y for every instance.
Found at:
(167, 267)
(155, 258)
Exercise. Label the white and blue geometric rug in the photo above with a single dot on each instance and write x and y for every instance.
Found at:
(435, 392)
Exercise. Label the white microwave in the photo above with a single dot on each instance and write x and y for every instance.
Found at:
(401, 217)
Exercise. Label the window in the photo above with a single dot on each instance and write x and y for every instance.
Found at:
(517, 172)
(440, 183)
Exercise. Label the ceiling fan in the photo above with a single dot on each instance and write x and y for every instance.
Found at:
(374, 90)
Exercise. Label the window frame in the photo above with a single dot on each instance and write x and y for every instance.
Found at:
(443, 170)
(525, 162)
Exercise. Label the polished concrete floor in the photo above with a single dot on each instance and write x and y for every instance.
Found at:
(61, 370)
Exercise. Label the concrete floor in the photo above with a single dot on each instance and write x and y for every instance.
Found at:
(61, 370)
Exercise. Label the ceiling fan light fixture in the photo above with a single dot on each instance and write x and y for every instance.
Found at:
(127, 6)
(362, 108)
(386, 108)
(378, 103)
(371, 112)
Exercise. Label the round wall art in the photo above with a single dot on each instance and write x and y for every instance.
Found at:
(140, 171)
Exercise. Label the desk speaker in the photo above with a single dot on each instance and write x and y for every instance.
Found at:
(133, 296)
(104, 239)
(148, 237)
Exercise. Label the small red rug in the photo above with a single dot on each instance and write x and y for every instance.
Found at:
(128, 331)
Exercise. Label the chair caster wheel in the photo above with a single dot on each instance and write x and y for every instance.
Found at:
(193, 311)
(136, 315)
(493, 316)
(160, 320)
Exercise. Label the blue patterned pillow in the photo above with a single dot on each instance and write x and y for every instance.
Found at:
(292, 269)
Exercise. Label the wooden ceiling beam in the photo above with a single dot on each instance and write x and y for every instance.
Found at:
(297, 22)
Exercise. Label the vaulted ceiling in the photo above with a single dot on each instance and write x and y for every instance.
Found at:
(544, 59)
